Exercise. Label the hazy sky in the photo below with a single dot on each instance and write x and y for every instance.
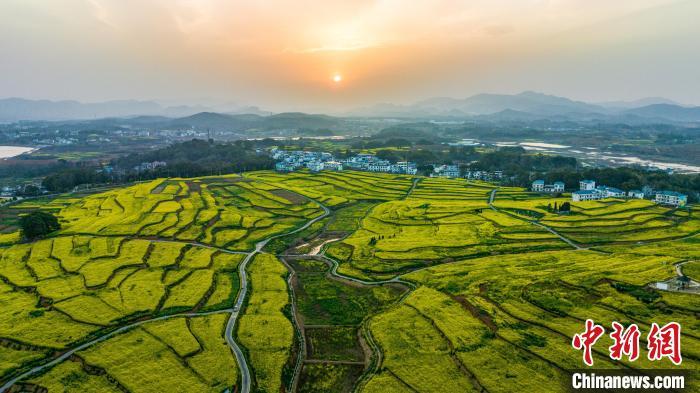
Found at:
(284, 55)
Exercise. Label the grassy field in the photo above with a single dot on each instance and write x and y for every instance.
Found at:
(483, 299)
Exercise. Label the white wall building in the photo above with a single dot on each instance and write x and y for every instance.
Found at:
(586, 185)
(671, 198)
(538, 186)
(586, 195)
(637, 194)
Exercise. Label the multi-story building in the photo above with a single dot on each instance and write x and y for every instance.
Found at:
(610, 192)
(671, 198)
(405, 167)
(538, 185)
(446, 171)
(333, 165)
(315, 166)
(636, 194)
(586, 185)
(586, 195)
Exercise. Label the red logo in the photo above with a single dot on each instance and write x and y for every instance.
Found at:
(586, 340)
(662, 342)
(665, 342)
(625, 341)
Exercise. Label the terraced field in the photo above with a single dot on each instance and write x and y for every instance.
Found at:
(138, 257)
(390, 284)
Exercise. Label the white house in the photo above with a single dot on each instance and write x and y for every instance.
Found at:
(586, 195)
(315, 166)
(446, 171)
(610, 192)
(333, 165)
(379, 166)
(586, 185)
(636, 194)
(554, 188)
(406, 167)
(671, 198)
(285, 166)
(538, 185)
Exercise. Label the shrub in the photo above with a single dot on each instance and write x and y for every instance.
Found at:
(38, 224)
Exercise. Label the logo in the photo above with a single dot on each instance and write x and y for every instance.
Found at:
(662, 342)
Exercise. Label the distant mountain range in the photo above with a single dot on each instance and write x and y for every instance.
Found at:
(523, 107)
(243, 122)
(16, 109)
(533, 106)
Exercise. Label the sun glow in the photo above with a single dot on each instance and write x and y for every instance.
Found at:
(337, 78)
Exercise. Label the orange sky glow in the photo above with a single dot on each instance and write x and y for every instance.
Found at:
(286, 54)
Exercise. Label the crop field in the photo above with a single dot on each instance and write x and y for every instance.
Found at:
(471, 327)
(331, 312)
(264, 329)
(399, 236)
(451, 189)
(334, 188)
(403, 285)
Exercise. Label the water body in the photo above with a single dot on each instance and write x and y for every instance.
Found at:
(594, 155)
(12, 151)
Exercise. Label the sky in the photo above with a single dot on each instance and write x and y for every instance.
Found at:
(331, 56)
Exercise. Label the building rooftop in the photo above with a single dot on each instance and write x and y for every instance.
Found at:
(672, 193)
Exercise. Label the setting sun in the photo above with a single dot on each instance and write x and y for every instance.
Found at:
(337, 78)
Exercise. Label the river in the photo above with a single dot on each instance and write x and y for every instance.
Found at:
(12, 151)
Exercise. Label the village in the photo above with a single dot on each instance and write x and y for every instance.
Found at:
(289, 161)
(588, 191)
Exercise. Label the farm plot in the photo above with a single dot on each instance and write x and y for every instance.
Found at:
(263, 329)
(218, 212)
(334, 188)
(398, 236)
(64, 290)
(182, 354)
(451, 189)
(505, 323)
(623, 221)
(330, 312)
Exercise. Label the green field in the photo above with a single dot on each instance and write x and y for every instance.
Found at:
(400, 288)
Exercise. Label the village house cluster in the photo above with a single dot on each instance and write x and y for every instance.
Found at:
(588, 191)
(317, 161)
(288, 161)
(149, 166)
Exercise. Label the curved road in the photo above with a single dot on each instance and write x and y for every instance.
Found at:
(240, 358)
(545, 227)
(122, 329)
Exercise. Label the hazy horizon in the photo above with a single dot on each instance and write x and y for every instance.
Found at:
(285, 57)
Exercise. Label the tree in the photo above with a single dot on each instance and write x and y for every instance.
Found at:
(38, 224)
(565, 207)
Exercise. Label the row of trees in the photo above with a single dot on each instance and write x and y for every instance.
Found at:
(187, 159)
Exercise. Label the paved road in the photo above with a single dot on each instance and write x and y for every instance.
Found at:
(242, 364)
(413, 186)
(122, 329)
(240, 357)
(550, 230)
